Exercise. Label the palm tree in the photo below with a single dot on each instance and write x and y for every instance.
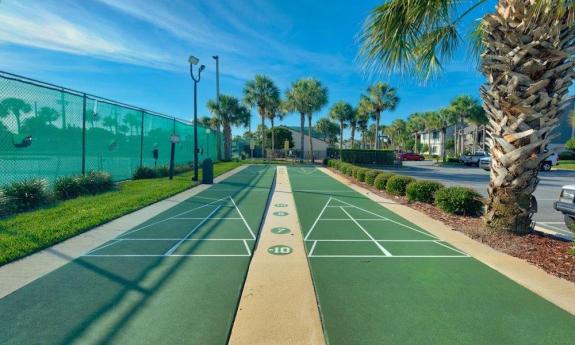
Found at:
(341, 112)
(328, 129)
(306, 96)
(363, 115)
(431, 120)
(381, 97)
(275, 110)
(527, 58)
(415, 125)
(230, 112)
(111, 123)
(16, 107)
(48, 115)
(133, 120)
(446, 118)
(465, 108)
(261, 93)
(318, 99)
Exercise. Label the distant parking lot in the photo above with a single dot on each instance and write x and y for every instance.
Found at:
(547, 191)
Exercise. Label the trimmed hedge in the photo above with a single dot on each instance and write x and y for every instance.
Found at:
(370, 176)
(357, 156)
(423, 191)
(381, 180)
(397, 184)
(360, 175)
(459, 200)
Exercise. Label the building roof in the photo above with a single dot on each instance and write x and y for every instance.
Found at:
(314, 134)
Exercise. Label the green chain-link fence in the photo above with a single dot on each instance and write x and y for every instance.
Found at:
(47, 131)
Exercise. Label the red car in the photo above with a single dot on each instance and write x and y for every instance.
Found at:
(410, 156)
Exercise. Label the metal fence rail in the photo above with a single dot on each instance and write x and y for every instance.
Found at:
(47, 131)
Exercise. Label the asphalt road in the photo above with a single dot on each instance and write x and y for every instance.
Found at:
(546, 193)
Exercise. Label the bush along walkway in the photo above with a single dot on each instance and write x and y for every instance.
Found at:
(29, 232)
(381, 279)
(459, 208)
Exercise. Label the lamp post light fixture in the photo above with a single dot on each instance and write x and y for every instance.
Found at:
(194, 61)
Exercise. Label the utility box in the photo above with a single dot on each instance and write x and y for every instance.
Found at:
(207, 171)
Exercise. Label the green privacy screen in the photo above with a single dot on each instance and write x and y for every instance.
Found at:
(48, 131)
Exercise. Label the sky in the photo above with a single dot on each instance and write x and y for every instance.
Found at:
(136, 51)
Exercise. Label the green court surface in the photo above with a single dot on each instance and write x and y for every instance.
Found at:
(380, 279)
(175, 279)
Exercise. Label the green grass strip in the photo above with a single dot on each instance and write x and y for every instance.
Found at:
(29, 232)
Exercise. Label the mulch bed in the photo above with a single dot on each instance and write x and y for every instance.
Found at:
(544, 251)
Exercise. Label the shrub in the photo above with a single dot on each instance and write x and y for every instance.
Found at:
(570, 145)
(566, 155)
(453, 159)
(397, 184)
(381, 180)
(360, 175)
(163, 171)
(4, 206)
(459, 200)
(326, 161)
(354, 171)
(182, 168)
(423, 191)
(349, 170)
(144, 172)
(370, 176)
(67, 187)
(25, 195)
(95, 182)
(357, 156)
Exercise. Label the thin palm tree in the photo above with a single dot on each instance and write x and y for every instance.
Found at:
(341, 112)
(318, 99)
(16, 107)
(446, 118)
(527, 57)
(275, 110)
(416, 125)
(363, 115)
(465, 108)
(381, 97)
(432, 123)
(261, 93)
(229, 112)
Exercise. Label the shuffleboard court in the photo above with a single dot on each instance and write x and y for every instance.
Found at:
(175, 279)
(380, 279)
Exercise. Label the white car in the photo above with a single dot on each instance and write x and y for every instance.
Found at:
(473, 159)
(552, 160)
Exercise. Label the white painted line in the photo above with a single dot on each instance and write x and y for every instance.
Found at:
(165, 256)
(448, 247)
(216, 218)
(391, 220)
(324, 191)
(241, 215)
(368, 234)
(314, 240)
(379, 220)
(389, 257)
(562, 223)
(169, 218)
(312, 248)
(317, 219)
(247, 248)
(185, 239)
(171, 250)
(103, 246)
(564, 230)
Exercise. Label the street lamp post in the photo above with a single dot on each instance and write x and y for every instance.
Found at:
(217, 58)
(194, 61)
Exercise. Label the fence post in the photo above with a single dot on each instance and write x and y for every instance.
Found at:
(142, 140)
(84, 135)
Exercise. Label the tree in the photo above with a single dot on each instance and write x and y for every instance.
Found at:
(341, 112)
(416, 125)
(363, 115)
(381, 97)
(352, 126)
(432, 123)
(445, 117)
(306, 96)
(133, 120)
(570, 145)
(16, 107)
(527, 58)
(466, 109)
(328, 129)
(275, 110)
(280, 136)
(111, 123)
(261, 93)
(230, 112)
(48, 115)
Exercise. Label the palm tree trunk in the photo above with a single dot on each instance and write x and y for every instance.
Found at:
(341, 135)
(523, 106)
(443, 135)
(310, 138)
(273, 137)
(429, 143)
(302, 125)
(352, 136)
(377, 144)
(263, 136)
(227, 141)
(475, 139)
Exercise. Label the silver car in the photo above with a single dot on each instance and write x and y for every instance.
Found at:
(485, 163)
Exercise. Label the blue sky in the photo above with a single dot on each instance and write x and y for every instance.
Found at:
(136, 51)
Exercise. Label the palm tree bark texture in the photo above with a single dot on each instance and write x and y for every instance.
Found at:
(529, 66)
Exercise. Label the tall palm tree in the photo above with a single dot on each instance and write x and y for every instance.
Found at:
(261, 93)
(465, 108)
(527, 57)
(416, 125)
(16, 107)
(341, 112)
(275, 110)
(328, 129)
(381, 97)
(432, 123)
(318, 99)
(305, 96)
(446, 118)
(229, 112)
(363, 115)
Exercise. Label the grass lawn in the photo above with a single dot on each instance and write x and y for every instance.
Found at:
(29, 232)
(565, 165)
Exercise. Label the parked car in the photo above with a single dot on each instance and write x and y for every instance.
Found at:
(410, 156)
(473, 159)
(552, 160)
(566, 205)
(485, 163)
